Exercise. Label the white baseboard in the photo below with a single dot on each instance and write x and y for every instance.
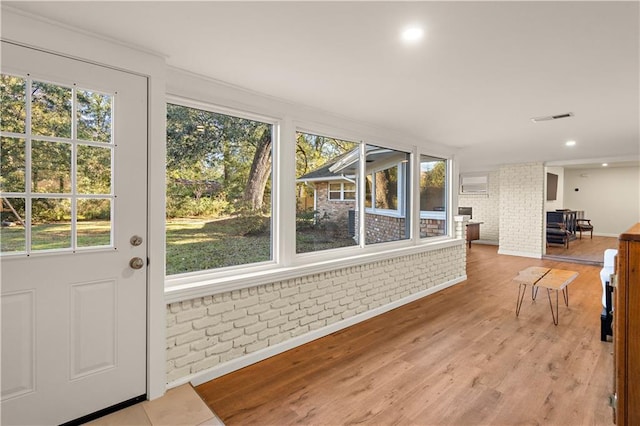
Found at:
(600, 234)
(238, 363)
(520, 253)
(486, 242)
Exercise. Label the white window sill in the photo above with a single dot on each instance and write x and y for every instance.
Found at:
(433, 215)
(381, 212)
(191, 287)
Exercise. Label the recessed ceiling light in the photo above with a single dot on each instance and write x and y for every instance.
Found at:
(604, 164)
(412, 34)
(570, 143)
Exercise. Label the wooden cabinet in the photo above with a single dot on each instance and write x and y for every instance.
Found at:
(473, 232)
(626, 335)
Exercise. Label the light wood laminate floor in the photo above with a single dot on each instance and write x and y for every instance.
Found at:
(457, 357)
(589, 250)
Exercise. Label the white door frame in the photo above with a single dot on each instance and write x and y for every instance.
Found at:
(31, 31)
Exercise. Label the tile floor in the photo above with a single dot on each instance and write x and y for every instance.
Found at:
(179, 406)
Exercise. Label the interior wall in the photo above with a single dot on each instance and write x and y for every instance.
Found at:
(609, 196)
(486, 209)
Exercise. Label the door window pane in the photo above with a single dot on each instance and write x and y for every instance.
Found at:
(13, 110)
(93, 169)
(93, 227)
(12, 232)
(50, 223)
(50, 167)
(12, 165)
(94, 116)
(50, 110)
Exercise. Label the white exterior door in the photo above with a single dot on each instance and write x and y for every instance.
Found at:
(74, 189)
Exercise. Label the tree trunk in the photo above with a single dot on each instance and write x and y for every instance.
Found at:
(259, 173)
(383, 195)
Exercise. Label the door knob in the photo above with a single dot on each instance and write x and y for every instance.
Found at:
(136, 263)
(136, 240)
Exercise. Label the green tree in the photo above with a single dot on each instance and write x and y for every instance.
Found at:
(50, 110)
(434, 176)
(94, 116)
(13, 109)
(313, 152)
(210, 150)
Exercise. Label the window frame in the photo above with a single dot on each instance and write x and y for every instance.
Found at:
(255, 267)
(342, 191)
(435, 214)
(400, 185)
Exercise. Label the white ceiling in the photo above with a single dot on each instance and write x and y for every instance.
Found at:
(481, 72)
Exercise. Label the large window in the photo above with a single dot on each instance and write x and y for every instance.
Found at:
(433, 196)
(326, 193)
(219, 205)
(348, 195)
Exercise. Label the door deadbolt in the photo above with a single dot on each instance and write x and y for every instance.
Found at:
(136, 263)
(136, 240)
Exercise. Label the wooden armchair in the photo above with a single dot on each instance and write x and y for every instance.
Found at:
(584, 225)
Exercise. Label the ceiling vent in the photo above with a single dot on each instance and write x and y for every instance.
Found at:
(552, 117)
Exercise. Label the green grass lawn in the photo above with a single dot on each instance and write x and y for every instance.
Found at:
(49, 236)
(195, 245)
(192, 244)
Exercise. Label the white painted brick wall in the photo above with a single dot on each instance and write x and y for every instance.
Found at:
(486, 208)
(521, 209)
(207, 331)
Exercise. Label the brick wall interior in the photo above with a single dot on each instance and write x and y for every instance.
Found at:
(486, 208)
(521, 208)
(205, 332)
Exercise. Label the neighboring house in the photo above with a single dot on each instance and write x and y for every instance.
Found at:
(335, 193)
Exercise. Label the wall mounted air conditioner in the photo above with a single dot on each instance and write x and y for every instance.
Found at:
(474, 183)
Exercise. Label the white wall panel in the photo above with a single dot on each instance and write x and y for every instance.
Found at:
(18, 344)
